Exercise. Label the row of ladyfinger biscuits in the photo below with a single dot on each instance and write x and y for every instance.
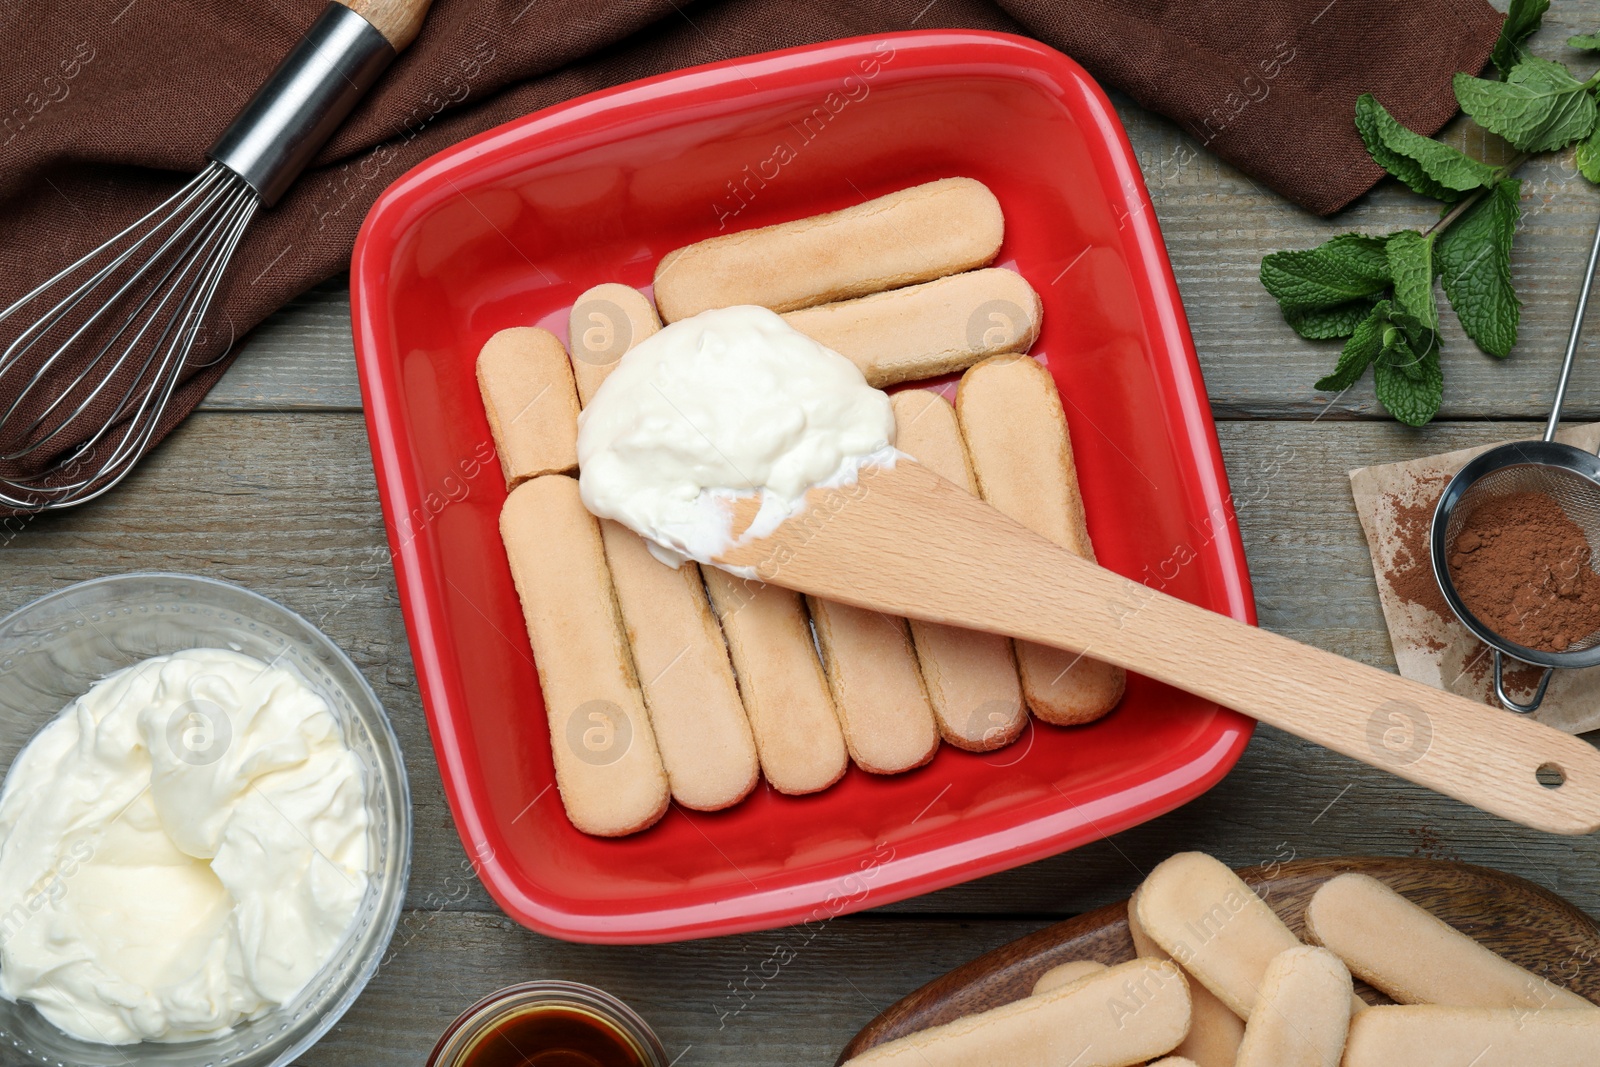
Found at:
(1252, 995)
(888, 694)
(893, 703)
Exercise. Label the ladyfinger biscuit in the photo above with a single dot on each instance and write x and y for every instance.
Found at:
(1065, 974)
(910, 236)
(1174, 1061)
(1016, 434)
(785, 693)
(930, 329)
(1302, 1015)
(682, 663)
(608, 769)
(971, 677)
(1213, 925)
(877, 689)
(531, 402)
(1214, 1030)
(1432, 1035)
(1416, 958)
(1120, 1017)
(606, 321)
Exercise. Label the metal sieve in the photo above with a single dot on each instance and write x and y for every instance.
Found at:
(1567, 474)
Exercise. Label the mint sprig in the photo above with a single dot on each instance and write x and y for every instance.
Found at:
(1474, 259)
(1522, 20)
(1427, 166)
(1377, 291)
(1539, 107)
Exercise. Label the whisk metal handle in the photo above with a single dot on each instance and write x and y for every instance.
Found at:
(1572, 341)
(292, 116)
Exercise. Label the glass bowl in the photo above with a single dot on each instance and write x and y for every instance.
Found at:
(486, 1020)
(54, 649)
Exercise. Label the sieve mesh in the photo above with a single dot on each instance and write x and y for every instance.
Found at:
(1577, 495)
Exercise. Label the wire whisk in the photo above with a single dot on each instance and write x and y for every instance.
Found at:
(86, 381)
(136, 304)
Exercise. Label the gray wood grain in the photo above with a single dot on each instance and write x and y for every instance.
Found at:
(271, 486)
(223, 497)
(781, 999)
(1218, 224)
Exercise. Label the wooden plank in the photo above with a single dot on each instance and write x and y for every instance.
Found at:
(1218, 224)
(787, 997)
(300, 359)
(219, 499)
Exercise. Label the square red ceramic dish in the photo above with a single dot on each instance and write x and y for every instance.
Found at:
(508, 228)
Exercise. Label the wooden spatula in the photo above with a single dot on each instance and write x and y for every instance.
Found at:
(904, 541)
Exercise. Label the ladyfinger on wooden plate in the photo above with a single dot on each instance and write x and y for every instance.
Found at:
(926, 330)
(682, 663)
(1431, 1035)
(785, 693)
(1214, 1030)
(1122, 1016)
(1212, 924)
(1065, 974)
(1016, 434)
(1415, 957)
(877, 688)
(1302, 1013)
(910, 236)
(604, 323)
(971, 677)
(608, 770)
(531, 402)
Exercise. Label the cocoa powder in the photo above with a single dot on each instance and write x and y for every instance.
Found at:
(1525, 569)
(1410, 571)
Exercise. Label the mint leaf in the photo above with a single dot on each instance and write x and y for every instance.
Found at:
(1346, 268)
(1429, 167)
(1359, 352)
(1411, 387)
(1522, 20)
(1540, 106)
(1589, 42)
(1587, 157)
(1474, 257)
(1410, 256)
(1322, 324)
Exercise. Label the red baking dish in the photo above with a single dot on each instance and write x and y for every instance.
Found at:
(508, 228)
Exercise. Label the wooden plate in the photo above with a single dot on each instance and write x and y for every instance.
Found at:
(1516, 918)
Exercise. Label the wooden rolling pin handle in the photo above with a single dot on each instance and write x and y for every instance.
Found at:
(906, 542)
(398, 20)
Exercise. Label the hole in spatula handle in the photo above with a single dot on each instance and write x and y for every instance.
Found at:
(1550, 776)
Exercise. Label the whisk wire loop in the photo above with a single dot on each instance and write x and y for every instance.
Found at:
(138, 303)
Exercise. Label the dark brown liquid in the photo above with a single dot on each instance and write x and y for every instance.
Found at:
(554, 1036)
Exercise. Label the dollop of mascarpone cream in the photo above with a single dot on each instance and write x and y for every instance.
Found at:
(730, 403)
(181, 849)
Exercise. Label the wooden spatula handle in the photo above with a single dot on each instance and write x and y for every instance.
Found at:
(397, 20)
(906, 542)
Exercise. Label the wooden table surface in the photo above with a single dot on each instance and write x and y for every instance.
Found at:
(271, 486)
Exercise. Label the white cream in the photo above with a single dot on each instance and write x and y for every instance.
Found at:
(181, 849)
(729, 403)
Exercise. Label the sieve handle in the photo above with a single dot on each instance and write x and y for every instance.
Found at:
(1572, 340)
(1506, 700)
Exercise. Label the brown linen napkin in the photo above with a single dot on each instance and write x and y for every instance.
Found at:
(1396, 502)
(107, 106)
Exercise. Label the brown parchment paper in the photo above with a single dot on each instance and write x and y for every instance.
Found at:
(1430, 645)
